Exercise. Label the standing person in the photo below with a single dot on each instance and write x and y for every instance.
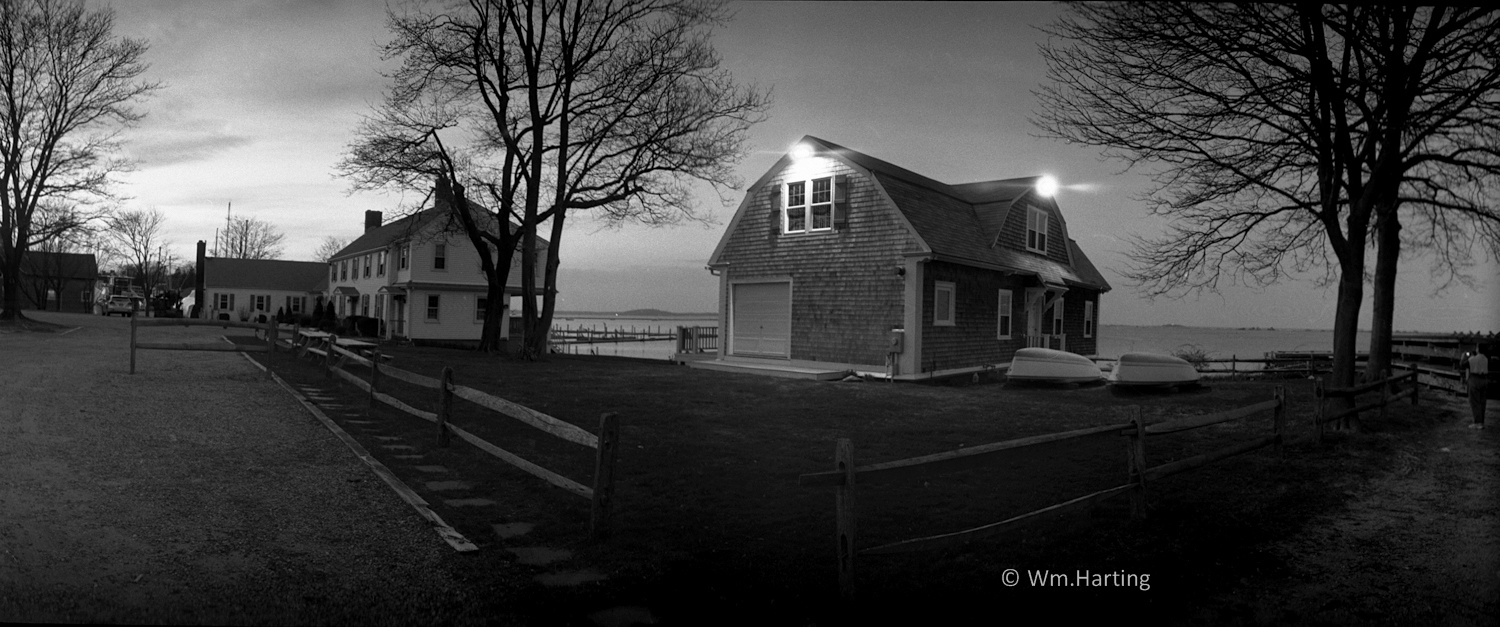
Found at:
(1476, 368)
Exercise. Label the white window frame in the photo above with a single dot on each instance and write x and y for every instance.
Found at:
(1005, 318)
(259, 302)
(405, 256)
(480, 306)
(1088, 318)
(364, 305)
(344, 270)
(380, 264)
(807, 206)
(223, 301)
(294, 304)
(440, 256)
(367, 265)
(1036, 230)
(333, 272)
(938, 288)
(434, 307)
(1057, 317)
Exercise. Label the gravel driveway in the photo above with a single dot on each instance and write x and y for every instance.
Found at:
(197, 491)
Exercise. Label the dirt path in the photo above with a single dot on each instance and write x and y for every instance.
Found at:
(1418, 544)
(194, 491)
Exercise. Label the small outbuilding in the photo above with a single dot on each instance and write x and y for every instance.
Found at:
(838, 261)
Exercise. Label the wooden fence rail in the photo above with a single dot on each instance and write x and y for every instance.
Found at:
(136, 322)
(845, 476)
(1384, 385)
(605, 444)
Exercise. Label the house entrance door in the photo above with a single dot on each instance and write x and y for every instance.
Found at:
(398, 313)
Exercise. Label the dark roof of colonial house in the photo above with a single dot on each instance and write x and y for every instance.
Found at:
(408, 226)
(961, 222)
(264, 274)
(60, 265)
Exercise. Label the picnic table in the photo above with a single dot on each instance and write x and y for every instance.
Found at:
(311, 340)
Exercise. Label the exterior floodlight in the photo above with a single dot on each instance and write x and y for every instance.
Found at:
(801, 152)
(1046, 186)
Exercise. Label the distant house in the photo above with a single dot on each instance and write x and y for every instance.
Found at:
(59, 281)
(838, 260)
(420, 277)
(247, 289)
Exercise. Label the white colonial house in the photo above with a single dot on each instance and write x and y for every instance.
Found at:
(246, 289)
(421, 278)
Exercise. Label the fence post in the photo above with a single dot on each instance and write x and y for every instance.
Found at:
(843, 504)
(1385, 392)
(1278, 421)
(333, 340)
(1416, 385)
(296, 335)
(604, 476)
(271, 331)
(1318, 402)
(445, 405)
(374, 374)
(132, 342)
(1135, 459)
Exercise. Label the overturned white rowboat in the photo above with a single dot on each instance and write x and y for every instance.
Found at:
(1044, 365)
(1151, 369)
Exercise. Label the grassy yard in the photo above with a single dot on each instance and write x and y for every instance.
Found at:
(711, 524)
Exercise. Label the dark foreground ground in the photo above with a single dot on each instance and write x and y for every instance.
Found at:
(199, 492)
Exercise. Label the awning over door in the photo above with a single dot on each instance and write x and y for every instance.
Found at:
(761, 319)
(344, 290)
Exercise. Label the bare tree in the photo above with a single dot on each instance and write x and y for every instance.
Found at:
(67, 87)
(544, 108)
(137, 235)
(1274, 132)
(330, 246)
(251, 238)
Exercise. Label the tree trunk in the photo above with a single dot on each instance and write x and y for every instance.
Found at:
(11, 308)
(1387, 261)
(489, 339)
(549, 285)
(1346, 330)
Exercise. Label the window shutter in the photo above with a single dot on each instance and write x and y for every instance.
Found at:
(841, 202)
(778, 200)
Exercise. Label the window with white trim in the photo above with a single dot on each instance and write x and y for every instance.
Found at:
(367, 266)
(433, 303)
(294, 304)
(809, 206)
(405, 253)
(942, 303)
(439, 256)
(333, 272)
(1036, 230)
(260, 301)
(344, 270)
(223, 301)
(481, 306)
(380, 264)
(1088, 318)
(1006, 316)
(1057, 317)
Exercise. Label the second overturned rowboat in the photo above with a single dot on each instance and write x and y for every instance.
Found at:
(1153, 370)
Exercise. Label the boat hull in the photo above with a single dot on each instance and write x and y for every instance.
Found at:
(1150, 369)
(1044, 365)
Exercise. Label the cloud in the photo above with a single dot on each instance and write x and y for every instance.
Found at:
(182, 147)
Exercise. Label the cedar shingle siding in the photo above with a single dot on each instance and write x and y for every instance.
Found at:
(846, 295)
(849, 286)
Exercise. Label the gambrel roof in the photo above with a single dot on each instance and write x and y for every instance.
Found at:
(959, 223)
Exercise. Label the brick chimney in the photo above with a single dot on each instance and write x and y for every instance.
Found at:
(372, 220)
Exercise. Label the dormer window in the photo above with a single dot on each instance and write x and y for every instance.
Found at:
(1036, 230)
(809, 206)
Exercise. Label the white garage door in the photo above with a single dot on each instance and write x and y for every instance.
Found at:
(762, 319)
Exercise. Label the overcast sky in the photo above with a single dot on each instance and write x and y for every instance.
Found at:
(260, 99)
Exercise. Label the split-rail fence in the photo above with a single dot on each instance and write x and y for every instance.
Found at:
(1322, 417)
(846, 476)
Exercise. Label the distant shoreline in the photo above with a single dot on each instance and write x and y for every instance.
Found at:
(637, 314)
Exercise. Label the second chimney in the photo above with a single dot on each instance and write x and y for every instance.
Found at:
(372, 220)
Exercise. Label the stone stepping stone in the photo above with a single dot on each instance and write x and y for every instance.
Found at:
(513, 530)
(569, 578)
(623, 616)
(467, 502)
(431, 468)
(407, 456)
(539, 555)
(449, 485)
(398, 447)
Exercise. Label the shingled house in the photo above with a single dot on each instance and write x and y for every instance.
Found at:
(838, 261)
(254, 289)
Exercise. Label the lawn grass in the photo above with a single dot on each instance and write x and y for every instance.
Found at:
(711, 524)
